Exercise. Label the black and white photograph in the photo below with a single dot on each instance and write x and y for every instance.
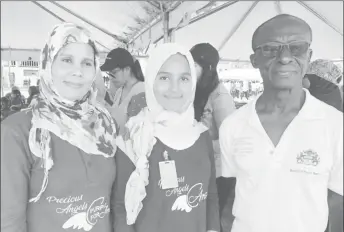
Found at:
(172, 116)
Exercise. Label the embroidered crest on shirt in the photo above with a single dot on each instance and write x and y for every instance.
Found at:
(308, 157)
(83, 216)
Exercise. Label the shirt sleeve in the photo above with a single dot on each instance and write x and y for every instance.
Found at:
(136, 104)
(336, 175)
(15, 176)
(213, 212)
(124, 168)
(228, 168)
(222, 104)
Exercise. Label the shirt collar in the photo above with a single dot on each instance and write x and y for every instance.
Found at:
(310, 109)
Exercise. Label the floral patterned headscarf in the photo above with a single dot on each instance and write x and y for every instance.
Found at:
(326, 69)
(83, 123)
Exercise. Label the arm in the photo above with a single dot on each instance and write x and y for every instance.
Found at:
(335, 202)
(213, 217)
(227, 217)
(335, 198)
(228, 172)
(223, 104)
(124, 168)
(15, 175)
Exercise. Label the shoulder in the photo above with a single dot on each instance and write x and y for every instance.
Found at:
(239, 116)
(329, 113)
(19, 120)
(16, 127)
(136, 104)
(219, 90)
(139, 88)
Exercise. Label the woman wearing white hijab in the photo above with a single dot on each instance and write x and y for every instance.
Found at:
(57, 157)
(166, 178)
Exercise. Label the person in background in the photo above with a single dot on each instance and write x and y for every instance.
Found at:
(213, 103)
(57, 157)
(126, 75)
(33, 91)
(324, 78)
(16, 100)
(285, 148)
(166, 178)
(5, 108)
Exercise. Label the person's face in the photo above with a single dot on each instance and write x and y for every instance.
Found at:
(73, 71)
(173, 84)
(119, 77)
(282, 67)
(199, 70)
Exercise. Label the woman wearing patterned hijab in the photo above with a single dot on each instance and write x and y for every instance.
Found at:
(166, 178)
(57, 157)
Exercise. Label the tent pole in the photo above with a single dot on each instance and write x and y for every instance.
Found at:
(321, 17)
(199, 17)
(165, 21)
(232, 32)
(89, 22)
(62, 20)
(278, 7)
(45, 9)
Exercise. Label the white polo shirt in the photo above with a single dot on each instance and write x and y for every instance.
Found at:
(283, 188)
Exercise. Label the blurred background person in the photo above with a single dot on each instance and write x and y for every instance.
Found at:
(33, 90)
(212, 103)
(126, 76)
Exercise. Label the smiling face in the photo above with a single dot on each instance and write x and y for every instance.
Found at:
(282, 67)
(73, 71)
(173, 84)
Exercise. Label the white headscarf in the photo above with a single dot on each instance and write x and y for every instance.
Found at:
(177, 131)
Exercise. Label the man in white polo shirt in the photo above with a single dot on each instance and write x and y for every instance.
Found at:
(285, 148)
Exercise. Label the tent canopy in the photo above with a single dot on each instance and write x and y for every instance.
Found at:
(227, 25)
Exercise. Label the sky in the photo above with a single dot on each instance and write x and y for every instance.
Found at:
(25, 25)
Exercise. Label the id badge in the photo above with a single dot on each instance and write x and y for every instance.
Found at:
(168, 174)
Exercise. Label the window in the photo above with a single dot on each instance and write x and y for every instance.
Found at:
(13, 63)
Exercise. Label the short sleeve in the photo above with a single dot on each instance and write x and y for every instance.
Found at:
(228, 168)
(336, 175)
(136, 104)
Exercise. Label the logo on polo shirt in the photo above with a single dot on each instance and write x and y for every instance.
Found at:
(308, 157)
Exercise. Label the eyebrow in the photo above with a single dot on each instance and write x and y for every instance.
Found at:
(184, 73)
(68, 55)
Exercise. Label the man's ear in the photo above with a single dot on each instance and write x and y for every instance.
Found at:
(253, 60)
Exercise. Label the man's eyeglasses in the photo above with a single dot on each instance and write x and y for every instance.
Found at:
(272, 49)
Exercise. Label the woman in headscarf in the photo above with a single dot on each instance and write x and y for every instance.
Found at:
(166, 171)
(322, 80)
(126, 76)
(57, 157)
(213, 103)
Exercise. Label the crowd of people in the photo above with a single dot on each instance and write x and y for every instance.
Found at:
(167, 150)
(14, 101)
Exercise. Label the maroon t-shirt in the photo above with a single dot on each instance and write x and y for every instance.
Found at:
(191, 207)
(77, 197)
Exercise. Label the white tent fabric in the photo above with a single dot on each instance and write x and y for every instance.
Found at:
(327, 42)
(25, 25)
